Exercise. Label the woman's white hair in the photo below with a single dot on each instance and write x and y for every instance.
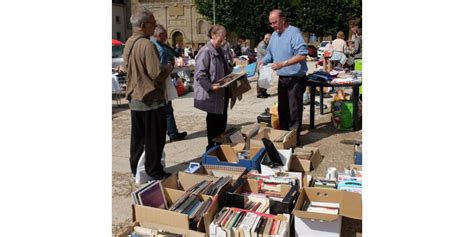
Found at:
(140, 16)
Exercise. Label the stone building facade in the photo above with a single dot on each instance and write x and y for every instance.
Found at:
(185, 25)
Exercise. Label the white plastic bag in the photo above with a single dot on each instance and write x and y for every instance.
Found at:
(171, 92)
(265, 77)
(142, 177)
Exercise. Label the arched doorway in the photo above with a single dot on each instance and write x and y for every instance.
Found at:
(177, 38)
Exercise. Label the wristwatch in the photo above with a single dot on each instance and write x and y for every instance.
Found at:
(286, 62)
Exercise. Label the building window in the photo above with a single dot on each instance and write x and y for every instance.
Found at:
(201, 27)
(119, 36)
(117, 19)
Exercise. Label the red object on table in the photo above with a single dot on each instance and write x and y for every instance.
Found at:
(117, 42)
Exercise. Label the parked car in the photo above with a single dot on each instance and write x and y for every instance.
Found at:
(321, 48)
(117, 51)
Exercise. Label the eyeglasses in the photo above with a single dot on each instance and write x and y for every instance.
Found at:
(153, 23)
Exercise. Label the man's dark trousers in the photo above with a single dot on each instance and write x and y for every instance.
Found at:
(149, 130)
(290, 102)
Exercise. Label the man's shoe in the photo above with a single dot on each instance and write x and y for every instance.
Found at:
(266, 94)
(180, 136)
(263, 96)
(161, 176)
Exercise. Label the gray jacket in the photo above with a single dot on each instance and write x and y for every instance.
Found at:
(210, 67)
(357, 52)
(261, 50)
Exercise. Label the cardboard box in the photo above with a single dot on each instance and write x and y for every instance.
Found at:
(171, 218)
(234, 197)
(327, 225)
(225, 155)
(289, 140)
(306, 165)
(170, 229)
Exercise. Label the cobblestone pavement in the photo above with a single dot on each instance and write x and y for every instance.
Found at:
(336, 146)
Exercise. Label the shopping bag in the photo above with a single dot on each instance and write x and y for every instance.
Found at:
(342, 114)
(265, 77)
(141, 176)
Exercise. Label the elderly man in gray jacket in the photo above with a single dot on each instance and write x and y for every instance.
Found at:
(211, 66)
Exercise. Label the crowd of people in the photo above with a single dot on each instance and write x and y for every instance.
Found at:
(149, 61)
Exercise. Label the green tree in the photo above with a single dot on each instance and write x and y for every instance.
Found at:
(249, 18)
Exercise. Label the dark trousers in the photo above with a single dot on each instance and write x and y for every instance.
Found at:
(290, 103)
(216, 124)
(261, 91)
(149, 133)
(171, 128)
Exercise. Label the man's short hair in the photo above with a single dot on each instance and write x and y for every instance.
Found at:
(280, 14)
(160, 29)
(140, 16)
(214, 29)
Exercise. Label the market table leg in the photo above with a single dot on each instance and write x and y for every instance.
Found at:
(321, 97)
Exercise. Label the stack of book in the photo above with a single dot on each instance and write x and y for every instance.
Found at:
(209, 187)
(150, 194)
(321, 207)
(256, 202)
(239, 222)
(271, 185)
(193, 206)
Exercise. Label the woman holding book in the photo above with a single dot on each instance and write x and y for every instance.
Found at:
(211, 66)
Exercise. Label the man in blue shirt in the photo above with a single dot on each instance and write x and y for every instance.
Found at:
(161, 35)
(287, 51)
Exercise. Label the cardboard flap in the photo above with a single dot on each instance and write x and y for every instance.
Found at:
(315, 216)
(171, 182)
(226, 153)
(160, 216)
(351, 205)
(188, 180)
(316, 159)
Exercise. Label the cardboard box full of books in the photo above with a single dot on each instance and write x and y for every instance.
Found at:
(184, 217)
(225, 155)
(319, 212)
(281, 138)
(282, 203)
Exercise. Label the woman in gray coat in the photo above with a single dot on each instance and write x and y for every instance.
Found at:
(211, 66)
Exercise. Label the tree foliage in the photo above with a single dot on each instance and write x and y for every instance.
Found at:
(249, 18)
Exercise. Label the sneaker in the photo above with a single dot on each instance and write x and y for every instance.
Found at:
(180, 136)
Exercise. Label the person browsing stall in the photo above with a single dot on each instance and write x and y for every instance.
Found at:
(211, 66)
(146, 95)
(287, 51)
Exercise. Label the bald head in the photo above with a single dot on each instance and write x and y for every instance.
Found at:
(277, 20)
